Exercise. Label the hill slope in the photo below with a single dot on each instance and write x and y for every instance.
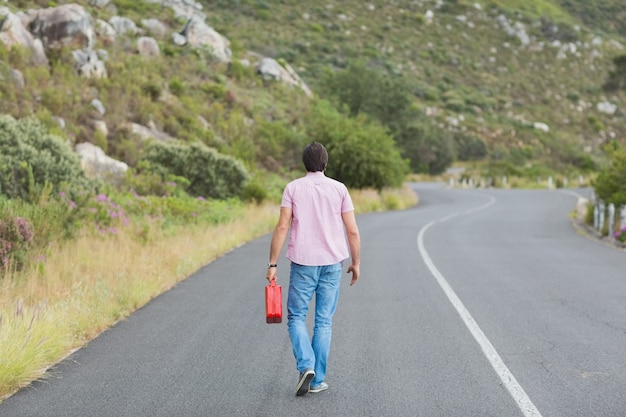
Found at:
(496, 68)
(525, 77)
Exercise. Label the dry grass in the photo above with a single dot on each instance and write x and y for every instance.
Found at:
(91, 283)
(390, 199)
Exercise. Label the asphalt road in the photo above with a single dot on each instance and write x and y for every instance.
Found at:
(474, 303)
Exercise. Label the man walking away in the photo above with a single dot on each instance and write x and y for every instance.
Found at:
(320, 213)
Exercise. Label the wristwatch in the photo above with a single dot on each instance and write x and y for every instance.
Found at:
(271, 265)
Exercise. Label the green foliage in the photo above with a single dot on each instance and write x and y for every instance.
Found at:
(469, 147)
(617, 77)
(254, 191)
(610, 15)
(361, 153)
(30, 158)
(210, 174)
(533, 8)
(371, 91)
(610, 185)
(386, 99)
(16, 236)
(33, 228)
(280, 144)
(590, 213)
(429, 148)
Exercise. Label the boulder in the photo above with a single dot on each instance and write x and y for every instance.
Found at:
(17, 77)
(148, 47)
(97, 104)
(99, 3)
(269, 68)
(13, 33)
(88, 64)
(183, 9)
(146, 133)
(199, 34)
(155, 27)
(123, 25)
(97, 164)
(606, 107)
(68, 25)
(105, 32)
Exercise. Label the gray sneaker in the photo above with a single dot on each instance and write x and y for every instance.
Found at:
(323, 386)
(305, 381)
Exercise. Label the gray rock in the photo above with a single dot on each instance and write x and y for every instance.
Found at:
(148, 47)
(606, 107)
(123, 25)
(199, 34)
(88, 64)
(63, 26)
(99, 3)
(13, 33)
(97, 164)
(155, 27)
(105, 32)
(178, 39)
(17, 77)
(269, 68)
(97, 104)
(146, 133)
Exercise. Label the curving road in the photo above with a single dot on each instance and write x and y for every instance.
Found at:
(474, 303)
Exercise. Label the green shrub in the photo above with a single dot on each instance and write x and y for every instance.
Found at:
(30, 158)
(469, 147)
(210, 174)
(429, 148)
(16, 235)
(590, 213)
(176, 87)
(610, 185)
(361, 153)
(254, 191)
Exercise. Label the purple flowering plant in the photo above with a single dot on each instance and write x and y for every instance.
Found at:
(108, 216)
(16, 237)
(620, 235)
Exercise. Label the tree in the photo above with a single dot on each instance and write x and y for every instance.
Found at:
(361, 153)
(429, 148)
(610, 185)
(361, 89)
(388, 99)
(617, 78)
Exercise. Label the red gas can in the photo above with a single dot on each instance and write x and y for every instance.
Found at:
(273, 303)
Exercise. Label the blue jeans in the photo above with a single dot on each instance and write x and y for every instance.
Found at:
(304, 281)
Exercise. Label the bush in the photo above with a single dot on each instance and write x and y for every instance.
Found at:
(210, 174)
(469, 147)
(254, 192)
(16, 235)
(610, 185)
(30, 158)
(361, 153)
(429, 148)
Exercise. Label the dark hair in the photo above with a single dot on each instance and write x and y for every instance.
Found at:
(315, 157)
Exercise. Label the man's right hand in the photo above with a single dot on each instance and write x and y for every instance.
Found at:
(356, 273)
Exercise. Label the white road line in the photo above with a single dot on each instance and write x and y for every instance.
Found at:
(515, 389)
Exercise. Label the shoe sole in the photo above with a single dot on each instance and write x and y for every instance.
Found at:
(305, 383)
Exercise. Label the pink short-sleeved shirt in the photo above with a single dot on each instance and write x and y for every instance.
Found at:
(317, 234)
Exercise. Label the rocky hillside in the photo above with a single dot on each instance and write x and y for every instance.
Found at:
(524, 77)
